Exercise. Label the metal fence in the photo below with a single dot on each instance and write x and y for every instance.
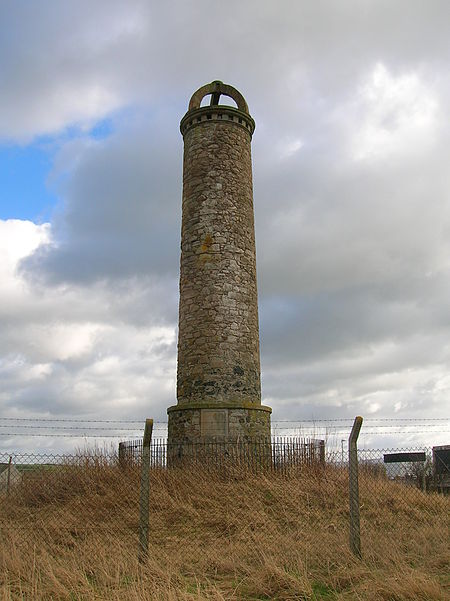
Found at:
(290, 495)
(277, 453)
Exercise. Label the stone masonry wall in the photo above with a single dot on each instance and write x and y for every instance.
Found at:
(203, 424)
(218, 342)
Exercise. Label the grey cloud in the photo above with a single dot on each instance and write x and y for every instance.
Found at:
(80, 62)
(352, 255)
(121, 211)
(122, 367)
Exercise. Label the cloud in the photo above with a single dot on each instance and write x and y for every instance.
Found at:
(58, 64)
(70, 65)
(400, 117)
(81, 350)
(351, 199)
(121, 208)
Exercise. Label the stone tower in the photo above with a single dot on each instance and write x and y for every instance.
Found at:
(218, 380)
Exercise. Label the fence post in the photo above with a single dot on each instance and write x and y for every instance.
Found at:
(322, 452)
(122, 454)
(144, 496)
(8, 481)
(355, 537)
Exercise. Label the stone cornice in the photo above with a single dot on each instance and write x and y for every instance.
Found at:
(218, 405)
(217, 114)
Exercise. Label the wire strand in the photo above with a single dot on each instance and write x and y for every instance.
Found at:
(291, 421)
(55, 435)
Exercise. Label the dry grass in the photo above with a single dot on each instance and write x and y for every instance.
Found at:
(71, 533)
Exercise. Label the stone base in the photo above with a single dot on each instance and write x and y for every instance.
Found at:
(208, 422)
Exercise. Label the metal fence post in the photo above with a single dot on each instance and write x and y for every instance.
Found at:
(322, 452)
(355, 537)
(8, 481)
(145, 492)
(122, 454)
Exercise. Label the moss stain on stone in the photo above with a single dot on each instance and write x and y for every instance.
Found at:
(207, 243)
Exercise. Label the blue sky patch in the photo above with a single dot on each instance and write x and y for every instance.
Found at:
(23, 190)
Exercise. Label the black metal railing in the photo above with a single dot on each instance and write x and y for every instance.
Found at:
(277, 453)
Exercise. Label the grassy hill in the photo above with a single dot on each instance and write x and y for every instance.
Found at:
(220, 536)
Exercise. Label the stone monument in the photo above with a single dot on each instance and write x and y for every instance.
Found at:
(218, 379)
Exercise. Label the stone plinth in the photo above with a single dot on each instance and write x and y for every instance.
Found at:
(212, 421)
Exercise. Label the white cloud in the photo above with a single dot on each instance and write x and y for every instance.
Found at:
(351, 199)
(18, 239)
(289, 147)
(399, 116)
(76, 350)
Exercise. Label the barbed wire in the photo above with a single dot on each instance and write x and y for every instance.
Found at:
(292, 421)
(163, 425)
(62, 435)
(78, 420)
(331, 428)
(323, 427)
(381, 432)
(83, 435)
(73, 428)
(366, 419)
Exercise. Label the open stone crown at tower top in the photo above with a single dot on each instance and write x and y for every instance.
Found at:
(215, 111)
(217, 89)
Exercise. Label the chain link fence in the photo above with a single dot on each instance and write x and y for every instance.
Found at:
(282, 504)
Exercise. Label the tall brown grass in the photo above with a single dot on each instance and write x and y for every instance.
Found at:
(71, 533)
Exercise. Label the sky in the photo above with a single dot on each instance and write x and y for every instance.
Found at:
(352, 209)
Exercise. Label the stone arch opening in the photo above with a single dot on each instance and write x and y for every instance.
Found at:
(215, 90)
(224, 100)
